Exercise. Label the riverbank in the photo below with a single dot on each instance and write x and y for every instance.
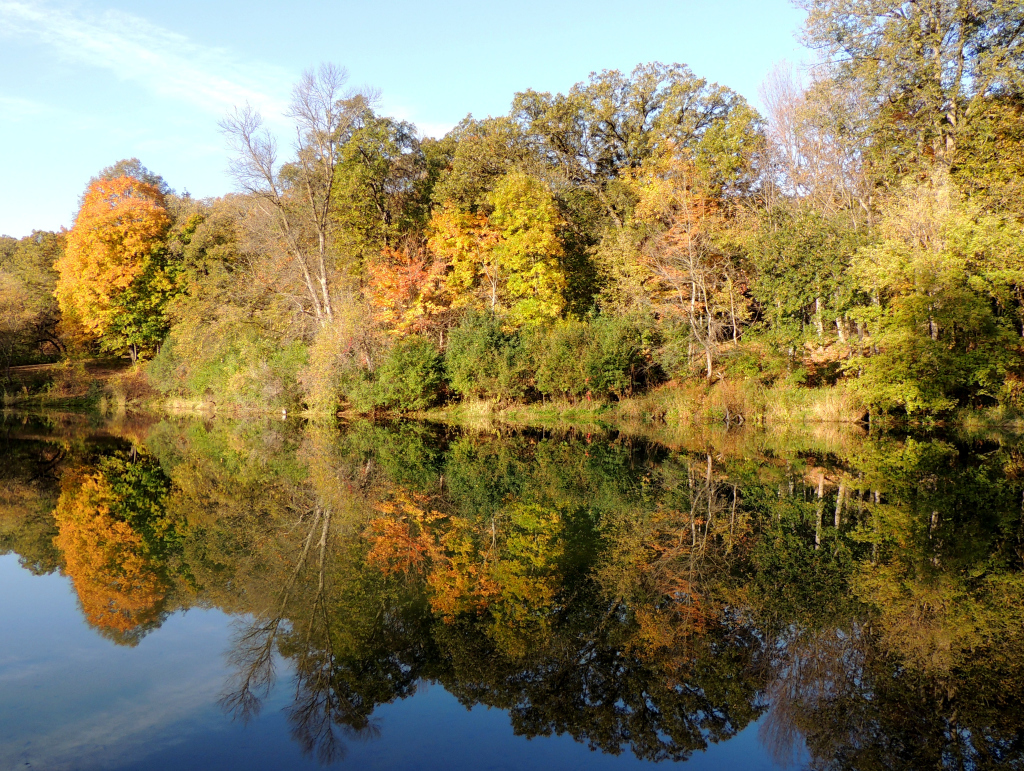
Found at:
(72, 384)
(111, 387)
(725, 402)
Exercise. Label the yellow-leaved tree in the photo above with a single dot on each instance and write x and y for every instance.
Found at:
(508, 261)
(120, 228)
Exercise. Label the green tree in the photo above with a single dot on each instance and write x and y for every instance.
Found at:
(380, 194)
(801, 261)
(939, 340)
(929, 69)
(616, 121)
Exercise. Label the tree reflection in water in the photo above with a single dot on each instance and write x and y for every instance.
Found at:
(863, 595)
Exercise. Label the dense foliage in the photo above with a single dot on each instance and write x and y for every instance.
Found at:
(642, 227)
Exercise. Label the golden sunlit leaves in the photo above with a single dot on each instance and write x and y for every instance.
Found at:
(507, 566)
(121, 222)
(466, 241)
(508, 261)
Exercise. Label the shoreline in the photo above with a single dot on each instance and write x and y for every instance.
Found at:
(666, 409)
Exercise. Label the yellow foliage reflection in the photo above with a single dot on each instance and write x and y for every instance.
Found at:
(506, 565)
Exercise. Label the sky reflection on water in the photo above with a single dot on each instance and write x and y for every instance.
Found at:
(70, 699)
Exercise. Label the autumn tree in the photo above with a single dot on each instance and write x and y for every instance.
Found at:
(506, 261)
(407, 290)
(672, 259)
(117, 585)
(113, 278)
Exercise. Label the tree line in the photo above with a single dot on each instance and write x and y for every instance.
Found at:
(640, 228)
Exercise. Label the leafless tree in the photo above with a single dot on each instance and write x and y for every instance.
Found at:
(816, 137)
(252, 655)
(291, 203)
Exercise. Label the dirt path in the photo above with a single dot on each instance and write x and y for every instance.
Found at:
(98, 369)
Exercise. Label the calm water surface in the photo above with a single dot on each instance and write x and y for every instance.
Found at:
(266, 595)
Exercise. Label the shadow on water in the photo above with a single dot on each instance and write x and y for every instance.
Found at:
(859, 595)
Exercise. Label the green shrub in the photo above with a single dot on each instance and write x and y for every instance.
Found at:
(603, 356)
(411, 376)
(769, 354)
(967, 362)
(343, 358)
(243, 371)
(618, 358)
(558, 357)
(486, 361)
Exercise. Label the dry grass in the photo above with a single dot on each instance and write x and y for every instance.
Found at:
(474, 414)
(129, 387)
(742, 401)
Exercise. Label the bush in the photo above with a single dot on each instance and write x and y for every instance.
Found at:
(557, 354)
(241, 371)
(966, 363)
(604, 356)
(411, 376)
(618, 358)
(334, 375)
(343, 358)
(484, 360)
(71, 380)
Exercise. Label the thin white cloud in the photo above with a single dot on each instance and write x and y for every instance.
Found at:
(15, 108)
(133, 49)
(120, 732)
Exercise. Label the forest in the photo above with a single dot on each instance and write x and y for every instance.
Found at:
(646, 235)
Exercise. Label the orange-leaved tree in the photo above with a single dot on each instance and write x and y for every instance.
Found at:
(407, 290)
(118, 233)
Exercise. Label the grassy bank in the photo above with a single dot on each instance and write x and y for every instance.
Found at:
(673, 404)
(112, 387)
(725, 403)
(105, 386)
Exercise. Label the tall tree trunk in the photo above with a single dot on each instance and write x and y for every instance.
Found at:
(819, 511)
(839, 501)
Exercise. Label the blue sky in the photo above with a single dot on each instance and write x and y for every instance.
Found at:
(85, 83)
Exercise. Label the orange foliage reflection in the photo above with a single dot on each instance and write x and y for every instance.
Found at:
(116, 584)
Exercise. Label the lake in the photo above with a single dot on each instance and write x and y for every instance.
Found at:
(272, 594)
